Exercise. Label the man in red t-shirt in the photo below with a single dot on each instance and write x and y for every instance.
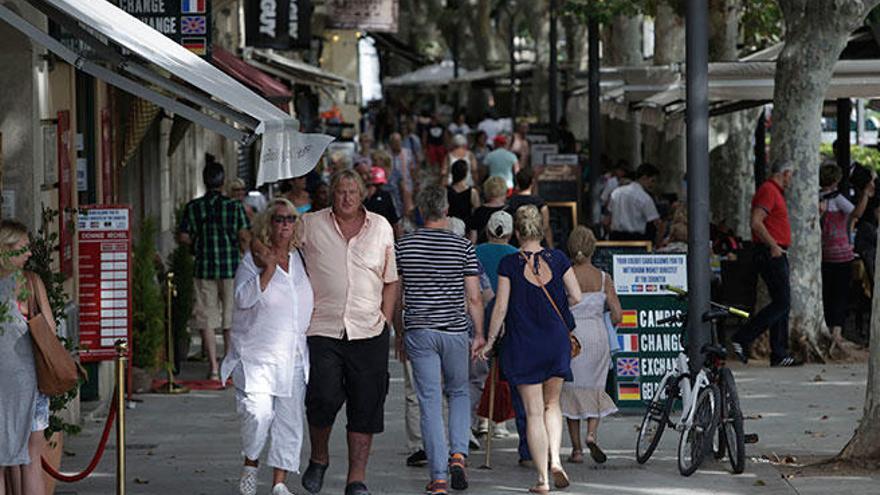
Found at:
(771, 234)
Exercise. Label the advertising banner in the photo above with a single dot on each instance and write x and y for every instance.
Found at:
(366, 15)
(278, 24)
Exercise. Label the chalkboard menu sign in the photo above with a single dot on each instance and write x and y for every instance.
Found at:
(563, 219)
(605, 250)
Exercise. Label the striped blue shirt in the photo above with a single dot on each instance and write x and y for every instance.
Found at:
(433, 264)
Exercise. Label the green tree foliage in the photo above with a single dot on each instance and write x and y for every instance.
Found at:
(869, 157)
(761, 24)
(604, 10)
(149, 308)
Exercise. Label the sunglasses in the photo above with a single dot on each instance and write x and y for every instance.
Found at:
(284, 218)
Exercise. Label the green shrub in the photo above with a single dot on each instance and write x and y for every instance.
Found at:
(182, 264)
(148, 317)
(869, 157)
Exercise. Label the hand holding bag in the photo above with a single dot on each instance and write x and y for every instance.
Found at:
(57, 372)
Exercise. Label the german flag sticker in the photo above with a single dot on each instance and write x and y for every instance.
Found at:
(628, 391)
(629, 319)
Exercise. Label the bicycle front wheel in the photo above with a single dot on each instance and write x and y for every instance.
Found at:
(654, 422)
(696, 438)
(732, 422)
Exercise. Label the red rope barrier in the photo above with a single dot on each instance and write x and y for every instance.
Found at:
(111, 416)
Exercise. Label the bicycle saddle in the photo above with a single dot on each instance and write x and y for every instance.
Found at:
(716, 351)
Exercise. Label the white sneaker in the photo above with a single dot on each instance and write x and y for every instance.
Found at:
(247, 485)
(281, 489)
(501, 431)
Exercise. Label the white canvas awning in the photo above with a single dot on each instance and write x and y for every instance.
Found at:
(303, 73)
(443, 74)
(128, 54)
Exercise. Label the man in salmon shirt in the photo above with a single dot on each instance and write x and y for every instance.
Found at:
(771, 234)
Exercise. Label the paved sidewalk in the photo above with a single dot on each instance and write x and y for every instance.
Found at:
(189, 445)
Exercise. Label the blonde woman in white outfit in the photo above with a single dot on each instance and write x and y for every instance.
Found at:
(269, 360)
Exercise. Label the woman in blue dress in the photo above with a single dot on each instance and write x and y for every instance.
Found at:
(535, 288)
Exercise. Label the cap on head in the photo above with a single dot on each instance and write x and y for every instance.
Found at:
(500, 224)
(500, 141)
(378, 176)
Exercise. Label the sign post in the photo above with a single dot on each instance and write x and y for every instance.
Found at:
(105, 279)
(647, 349)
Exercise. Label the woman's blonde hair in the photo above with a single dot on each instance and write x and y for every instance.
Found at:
(11, 232)
(381, 159)
(495, 187)
(581, 244)
(233, 184)
(529, 223)
(263, 224)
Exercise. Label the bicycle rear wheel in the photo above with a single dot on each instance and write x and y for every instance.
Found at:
(696, 439)
(654, 422)
(732, 422)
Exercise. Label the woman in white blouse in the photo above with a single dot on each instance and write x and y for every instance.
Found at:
(269, 360)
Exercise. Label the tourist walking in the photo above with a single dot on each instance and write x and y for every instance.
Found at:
(400, 178)
(535, 288)
(458, 152)
(771, 234)
(349, 255)
(501, 162)
(216, 227)
(270, 367)
(495, 191)
(584, 398)
(24, 410)
(441, 288)
(525, 195)
(632, 208)
(838, 218)
(463, 199)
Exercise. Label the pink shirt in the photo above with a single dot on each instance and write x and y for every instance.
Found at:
(347, 277)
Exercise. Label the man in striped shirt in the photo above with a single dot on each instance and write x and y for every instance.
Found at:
(441, 288)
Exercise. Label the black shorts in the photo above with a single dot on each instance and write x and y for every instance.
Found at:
(354, 372)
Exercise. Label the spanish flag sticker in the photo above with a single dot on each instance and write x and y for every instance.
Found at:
(629, 319)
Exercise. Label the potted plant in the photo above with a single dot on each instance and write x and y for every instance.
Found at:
(148, 316)
(182, 264)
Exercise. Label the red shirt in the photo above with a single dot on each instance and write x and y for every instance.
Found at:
(770, 198)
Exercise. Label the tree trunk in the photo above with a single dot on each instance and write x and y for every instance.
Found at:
(865, 443)
(732, 181)
(816, 33)
(723, 30)
(624, 46)
(538, 15)
(669, 42)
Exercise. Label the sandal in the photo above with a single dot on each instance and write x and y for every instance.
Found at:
(576, 457)
(596, 453)
(560, 479)
(539, 489)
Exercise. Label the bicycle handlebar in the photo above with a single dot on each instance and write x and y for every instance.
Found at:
(728, 309)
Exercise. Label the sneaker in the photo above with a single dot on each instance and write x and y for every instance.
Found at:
(281, 489)
(474, 443)
(247, 485)
(740, 352)
(458, 472)
(786, 362)
(437, 487)
(501, 431)
(417, 459)
(482, 426)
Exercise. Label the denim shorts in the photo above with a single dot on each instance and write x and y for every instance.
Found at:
(41, 413)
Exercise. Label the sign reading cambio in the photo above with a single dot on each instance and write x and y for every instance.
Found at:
(367, 15)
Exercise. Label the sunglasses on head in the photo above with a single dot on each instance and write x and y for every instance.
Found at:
(284, 218)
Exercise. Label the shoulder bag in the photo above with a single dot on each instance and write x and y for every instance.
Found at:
(57, 372)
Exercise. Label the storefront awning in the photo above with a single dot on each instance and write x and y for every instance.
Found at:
(272, 89)
(130, 55)
(302, 73)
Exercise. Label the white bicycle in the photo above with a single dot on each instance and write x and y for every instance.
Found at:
(701, 402)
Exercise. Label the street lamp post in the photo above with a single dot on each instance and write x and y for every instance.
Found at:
(595, 125)
(554, 72)
(698, 177)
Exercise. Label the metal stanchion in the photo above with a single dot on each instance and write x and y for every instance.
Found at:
(171, 291)
(121, 358)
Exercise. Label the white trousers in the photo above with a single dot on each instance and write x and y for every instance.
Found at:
(264, 416)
